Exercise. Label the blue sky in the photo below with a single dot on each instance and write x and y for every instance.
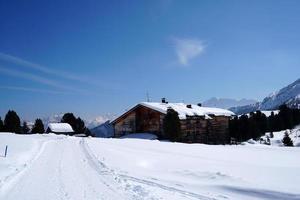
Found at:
(98, 57)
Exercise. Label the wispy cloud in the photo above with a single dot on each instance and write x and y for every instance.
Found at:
(38, 79)
(58, 73)
(29, 89)
(188, 49)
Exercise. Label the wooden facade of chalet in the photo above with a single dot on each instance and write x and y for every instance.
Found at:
(142, 119)
(210, 131)
(139, 119)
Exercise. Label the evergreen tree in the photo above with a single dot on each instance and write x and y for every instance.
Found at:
(233, 128)
(262, 122)
(243, 128)
(80, 126)
(38, 127)
(296, 116)
(253, 127)
(25, 128)
(70, 119)
(171, 125)
(12, 122)
(77, 124)
(1, 125)
(271, 122)
(287, 141)
(87, 132)
(279, 123)
(286, 116)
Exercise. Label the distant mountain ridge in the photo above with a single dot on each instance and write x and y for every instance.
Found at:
(227, 102)
(289, 95)
(52, 119)
(99, 120)
(90, 123)
(239, 110)
(104, 130)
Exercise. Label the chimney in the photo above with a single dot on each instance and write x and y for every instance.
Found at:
(189, 106)
(163, 100)
(199, 104)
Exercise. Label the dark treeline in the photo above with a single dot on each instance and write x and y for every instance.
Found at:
(77, 124)
(257, 124)
(12, 123)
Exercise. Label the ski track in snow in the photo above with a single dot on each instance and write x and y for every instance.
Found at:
(59, 171)
(66, 168)
(13, 178)
(136, 192)
(141, 190)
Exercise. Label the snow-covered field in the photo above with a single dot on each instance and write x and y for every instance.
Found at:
(61, 167)
(294, 134)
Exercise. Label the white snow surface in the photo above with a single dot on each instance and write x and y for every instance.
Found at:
(294, 134)
(145, 136)
(60, 127)
(183, 111)
(268, 112)
(52, 166)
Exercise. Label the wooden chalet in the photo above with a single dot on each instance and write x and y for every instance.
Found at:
(198, 124)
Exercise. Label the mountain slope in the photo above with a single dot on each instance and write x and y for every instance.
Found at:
(89, 123)
(93, 123)
(289, 95)
(284, 95)
(227, 102)
(245, 109)
(104, 130)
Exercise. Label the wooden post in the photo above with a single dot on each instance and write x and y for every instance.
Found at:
(5, 151)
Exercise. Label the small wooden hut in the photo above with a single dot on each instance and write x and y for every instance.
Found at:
(60, 128)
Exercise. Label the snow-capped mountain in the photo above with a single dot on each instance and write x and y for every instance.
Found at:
(46, 120)
(289, 95)
(52, 119)
(89, 123)
(294, 102)
(92, 123)
(239, 110)
(227, 102)
(104, 130)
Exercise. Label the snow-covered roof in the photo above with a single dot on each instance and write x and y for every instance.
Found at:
(184, 111)
(60, 127)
